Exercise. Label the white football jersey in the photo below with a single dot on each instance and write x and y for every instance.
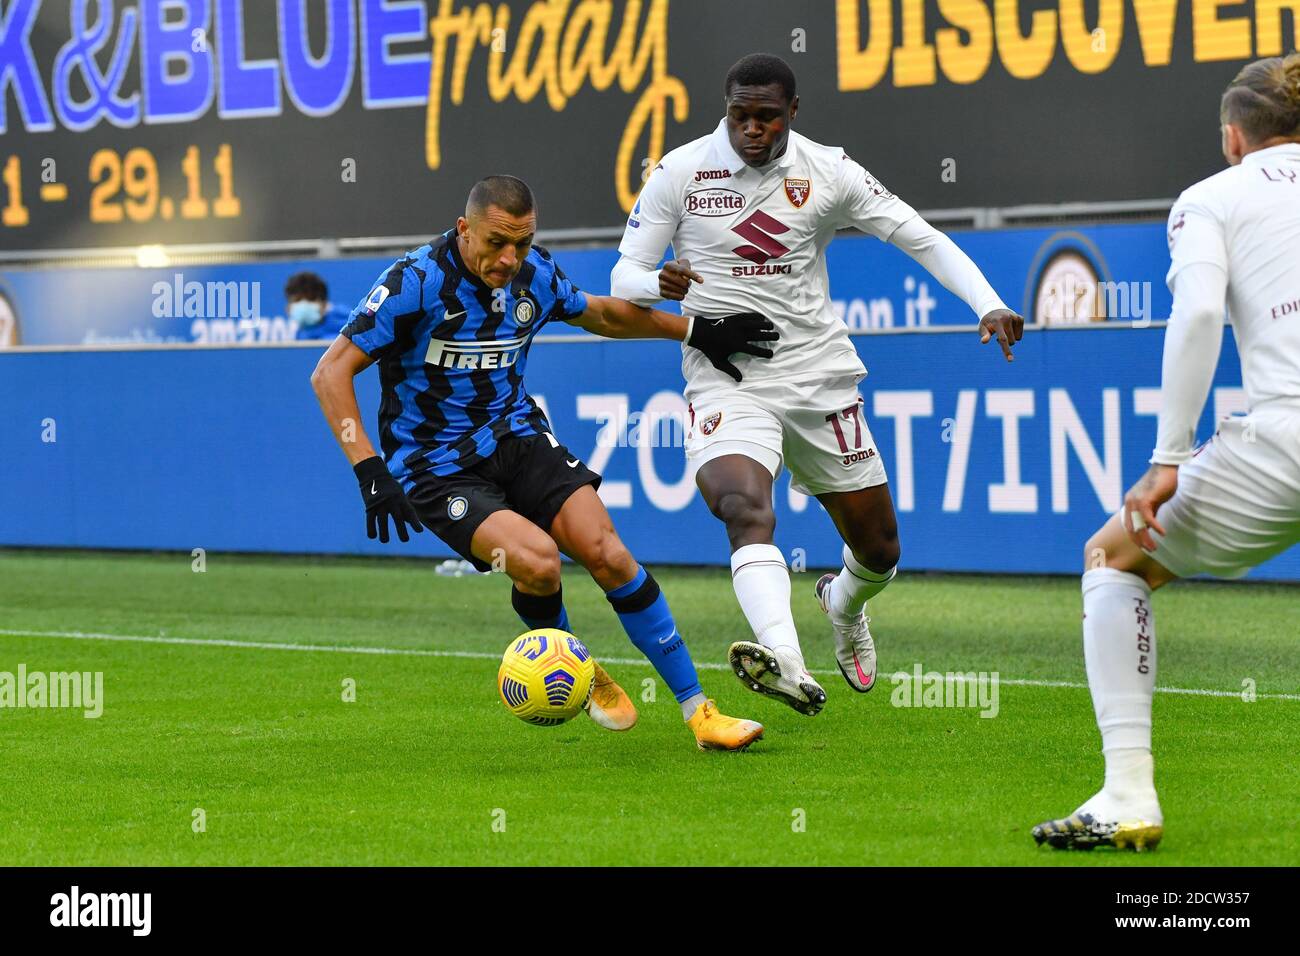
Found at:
(1246, 220)
(758, 237)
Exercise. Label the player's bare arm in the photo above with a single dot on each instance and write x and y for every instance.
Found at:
(718, 338)
(382, 496)
(332, 381)
(616, 318)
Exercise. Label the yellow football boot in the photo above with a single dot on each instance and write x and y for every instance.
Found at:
(608, 705)
(714, 730)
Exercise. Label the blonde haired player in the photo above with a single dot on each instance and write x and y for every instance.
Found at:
(749, 211)
(1234, 502)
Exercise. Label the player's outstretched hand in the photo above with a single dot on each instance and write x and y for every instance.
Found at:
(675, 279)
(1005, 326)
(722, 338)
(384, 498)
(1143, 500)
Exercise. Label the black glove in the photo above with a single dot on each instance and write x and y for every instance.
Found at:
(719, 339)
(384, 497)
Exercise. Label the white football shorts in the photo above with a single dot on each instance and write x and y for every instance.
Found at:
(816, 429)
(1238, 497)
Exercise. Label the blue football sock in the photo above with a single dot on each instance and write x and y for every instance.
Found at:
(643, 611)
(540, 610)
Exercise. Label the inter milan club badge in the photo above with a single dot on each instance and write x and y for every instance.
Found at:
(456, 508)
(525, 311)
(798, 191)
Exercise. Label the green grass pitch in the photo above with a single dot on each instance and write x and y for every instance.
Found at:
(419, 768)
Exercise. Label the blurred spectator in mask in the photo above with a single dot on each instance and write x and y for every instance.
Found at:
(308, 305)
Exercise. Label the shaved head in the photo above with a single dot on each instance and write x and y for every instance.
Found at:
(508, 193)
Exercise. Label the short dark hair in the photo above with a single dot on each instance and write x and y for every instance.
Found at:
(508, 193)
(760, 69)
(306, 285)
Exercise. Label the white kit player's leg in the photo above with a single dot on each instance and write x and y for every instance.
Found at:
(773, 662)
(1119, 647)
(1119, 650)
(735, 444)
(1237, 505)
(843, 598)
(831, 454)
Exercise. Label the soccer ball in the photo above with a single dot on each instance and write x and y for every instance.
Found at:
(545, 676)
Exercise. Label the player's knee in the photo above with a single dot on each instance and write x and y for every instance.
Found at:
(886, 556)
(535, 569)
(1094, 553)
(744, 515)
(880, 554)
(608, 560)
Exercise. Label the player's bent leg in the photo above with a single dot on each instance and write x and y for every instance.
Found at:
(866, 522)
(1119, 647)
(583, 530)
(738, 491)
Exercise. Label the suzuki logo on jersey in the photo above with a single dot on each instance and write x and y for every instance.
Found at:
(376, 299)
(761, 229)
(714, 202)
(702, 174)
(475, 355)
(798, 191)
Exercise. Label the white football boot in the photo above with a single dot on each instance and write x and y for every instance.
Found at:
(779, 673)
(855, 651)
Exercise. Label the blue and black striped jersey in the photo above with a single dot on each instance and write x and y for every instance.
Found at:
(451, 353)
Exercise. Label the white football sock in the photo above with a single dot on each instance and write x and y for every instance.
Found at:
(762, 583)
(855, 586)
(1119, 649)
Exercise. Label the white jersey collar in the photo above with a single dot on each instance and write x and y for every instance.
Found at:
(1272, 154)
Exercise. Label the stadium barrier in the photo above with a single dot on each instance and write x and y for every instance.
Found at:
(994, 466)
(1113, 272)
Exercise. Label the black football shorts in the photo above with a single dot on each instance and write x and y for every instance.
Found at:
(533, 476)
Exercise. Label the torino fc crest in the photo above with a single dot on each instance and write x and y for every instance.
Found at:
(798, 191)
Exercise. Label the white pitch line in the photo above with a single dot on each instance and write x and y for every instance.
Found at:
(484, 655)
